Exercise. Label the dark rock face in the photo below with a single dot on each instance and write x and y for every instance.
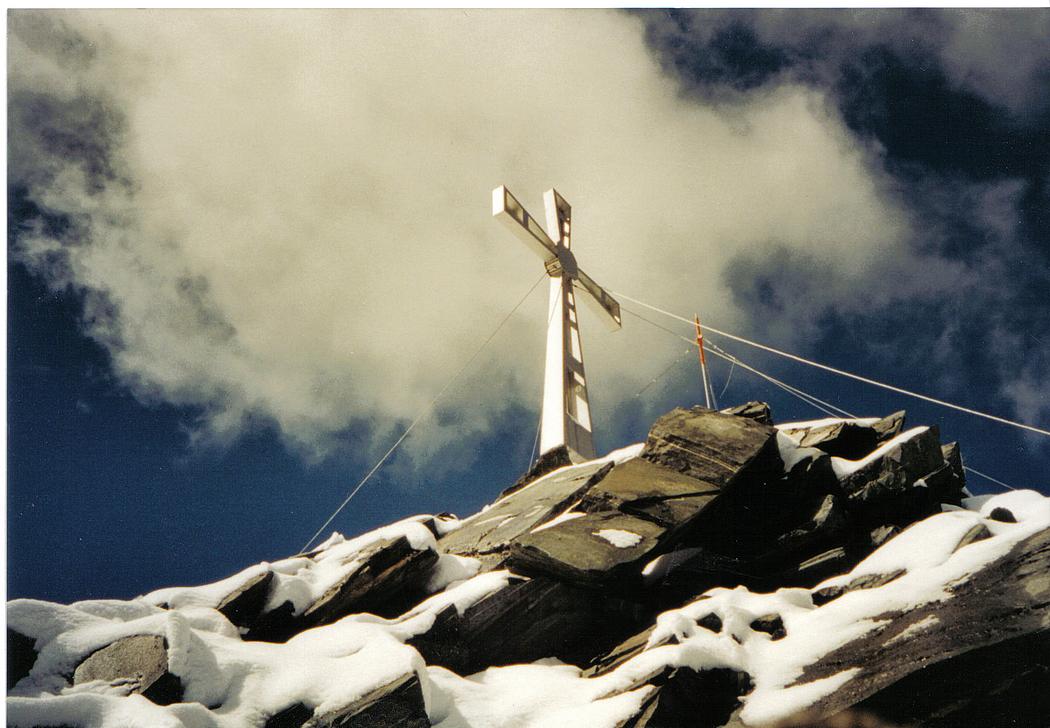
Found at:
(141, 660)
(1002, 515)
(1009, 597)
(842, 439)
(686, 697)
(884, 490)
(890, 426)
(771, 624)
(826, 594)
(294, 716)
(713, 447)
(999, 686)
(398, 704)
(21, 655)
(527, 620)
(387, 583)
(244, 604)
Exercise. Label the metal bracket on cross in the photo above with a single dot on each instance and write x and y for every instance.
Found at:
(566, 418)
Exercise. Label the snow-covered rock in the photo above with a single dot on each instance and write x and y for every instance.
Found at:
(764, 573)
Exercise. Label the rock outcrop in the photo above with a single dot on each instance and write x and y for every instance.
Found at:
(728, 572)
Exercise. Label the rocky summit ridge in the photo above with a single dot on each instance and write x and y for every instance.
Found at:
(726, 572)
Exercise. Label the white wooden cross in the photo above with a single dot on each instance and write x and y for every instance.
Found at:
(566, 418)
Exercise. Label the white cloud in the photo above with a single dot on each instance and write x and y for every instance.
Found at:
(306, 235)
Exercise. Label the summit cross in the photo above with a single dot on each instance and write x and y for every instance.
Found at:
(566, 418)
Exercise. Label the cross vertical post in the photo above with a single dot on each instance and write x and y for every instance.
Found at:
(566, 417)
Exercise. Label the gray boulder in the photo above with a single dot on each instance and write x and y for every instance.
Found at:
(140, 661)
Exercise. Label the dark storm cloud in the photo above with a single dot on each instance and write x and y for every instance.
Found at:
(955, 102)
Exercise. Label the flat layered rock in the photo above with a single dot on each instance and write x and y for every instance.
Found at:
(752, 410)
(490, 532)
(713, 447)
(650, 491)
(617, 526)
(594, 548)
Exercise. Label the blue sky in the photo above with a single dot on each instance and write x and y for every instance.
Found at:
(245, 250)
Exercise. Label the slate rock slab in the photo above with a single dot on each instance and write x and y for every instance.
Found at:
(141, 660)
(489, 533)
(620, 523)
(713, 447)
(753, 410)
(890, 426)
(398, 704)
(842, 439)
(646, 490)
(528, 620)
(591, 549)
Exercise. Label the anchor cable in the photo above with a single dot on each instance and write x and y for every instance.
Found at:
(424, 413)
(840, 372)
(809, 399)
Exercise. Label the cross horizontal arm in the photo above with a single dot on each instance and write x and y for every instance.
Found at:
(600, 300)
(525, 226)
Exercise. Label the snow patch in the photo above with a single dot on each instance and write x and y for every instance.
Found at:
(568, 515)
(619, 538)
(843, 467)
